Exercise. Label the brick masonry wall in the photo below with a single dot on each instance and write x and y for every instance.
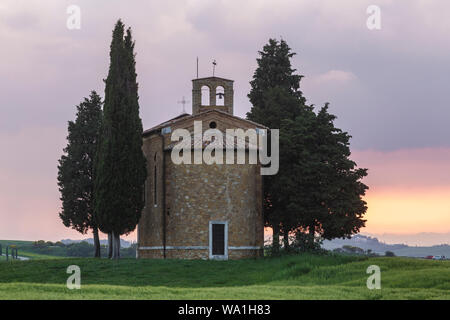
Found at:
(151, 222)
(199, 254)
(175, 254)
(212, 84)
(198, 194)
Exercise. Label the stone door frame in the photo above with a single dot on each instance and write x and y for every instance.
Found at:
(225, 255)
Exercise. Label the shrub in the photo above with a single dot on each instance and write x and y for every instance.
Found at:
(389, 254)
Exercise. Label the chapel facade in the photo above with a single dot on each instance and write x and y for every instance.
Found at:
(201, 211)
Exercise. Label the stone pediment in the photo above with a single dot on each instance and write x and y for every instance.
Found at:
(223, 120)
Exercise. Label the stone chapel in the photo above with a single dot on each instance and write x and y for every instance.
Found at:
(201, 211)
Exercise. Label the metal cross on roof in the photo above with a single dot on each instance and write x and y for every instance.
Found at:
(183, 102)
(214, 66)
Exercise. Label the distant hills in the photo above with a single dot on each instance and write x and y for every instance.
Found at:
(367, 242)
(360, 240)
(123, 243)
(414, 239)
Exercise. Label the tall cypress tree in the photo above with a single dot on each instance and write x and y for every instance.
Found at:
(318, 189)
(275, 96)
(76, 169)
(120, 164)
(274, 78)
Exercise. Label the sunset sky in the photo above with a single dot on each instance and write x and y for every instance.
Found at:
(389, 88)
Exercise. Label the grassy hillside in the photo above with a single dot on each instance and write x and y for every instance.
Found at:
(51, 250)
(24, 250)
(291, 277)
(15, 242)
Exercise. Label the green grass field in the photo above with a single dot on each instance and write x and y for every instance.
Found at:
(23, 250)
(289, 277)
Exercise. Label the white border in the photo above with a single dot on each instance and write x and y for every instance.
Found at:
(225, 255)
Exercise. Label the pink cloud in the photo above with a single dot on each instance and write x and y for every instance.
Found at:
(406, 168)
(334, 77)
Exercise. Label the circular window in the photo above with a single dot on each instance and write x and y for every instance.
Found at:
(213, 125)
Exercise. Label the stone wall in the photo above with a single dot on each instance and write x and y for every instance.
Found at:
(150, 227)
(212, 83)
(202, 254)
(175, 254)
(197, 194)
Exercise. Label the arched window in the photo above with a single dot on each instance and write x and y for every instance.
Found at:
(205, 96)
(220, 96)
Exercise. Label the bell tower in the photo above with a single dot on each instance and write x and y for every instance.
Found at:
(217, 94)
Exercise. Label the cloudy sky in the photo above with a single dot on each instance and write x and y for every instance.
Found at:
(388, 87)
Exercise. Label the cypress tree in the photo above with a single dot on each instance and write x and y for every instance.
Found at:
(318, 189)
(275, 79)
(76, 169)
(323, 189)
(120, 164)
(275, 96)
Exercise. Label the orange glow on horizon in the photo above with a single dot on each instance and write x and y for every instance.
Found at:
(405, 211)
(402, 211)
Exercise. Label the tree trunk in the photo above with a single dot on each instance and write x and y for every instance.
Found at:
(312, 231)
(118, 246)
(110, 245)
(286, 239)
(113, 238)
(276, 239)
(97, 253)
(115, 246)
